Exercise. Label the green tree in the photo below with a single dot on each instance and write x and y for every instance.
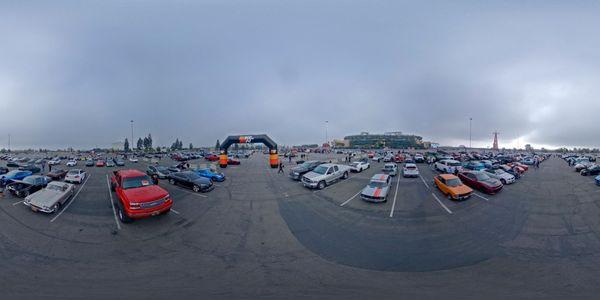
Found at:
(218, 145)
(126, 145)
(191, 146)
(140, 144)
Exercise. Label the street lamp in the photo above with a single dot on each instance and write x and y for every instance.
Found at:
(470, 130)
(326, 135)
(131, 143)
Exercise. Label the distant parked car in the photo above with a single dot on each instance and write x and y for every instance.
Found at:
(448, 166)
(75, 175)
(133, 159)
(57, 174)
(54, 161)
(359, 166)
(419, 158)
(208, 173)
(3, 170)
(211, 157)
(89, 163)
(501, 175)
(100, 163)
(390, 169)
(158, 172)
(297, 172)
(33, 168)
(71, 163)
(110, 163)
(475, 165)
(51, 198)
(232, 161)
(13, 175)
(593, 170)
(29, 185)
(119, 162)
(378, 188)
(192, 181)
(481, 181)
(410, 170)
(12, 164)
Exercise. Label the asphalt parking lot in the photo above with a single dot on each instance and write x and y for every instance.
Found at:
(260, 234)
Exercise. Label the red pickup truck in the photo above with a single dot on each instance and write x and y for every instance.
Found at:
(139, 196)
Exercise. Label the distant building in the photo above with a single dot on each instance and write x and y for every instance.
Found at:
(528, 147)
(395, 140)
(118, 146)
(341, 143)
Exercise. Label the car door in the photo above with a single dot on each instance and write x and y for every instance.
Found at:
(330, 176)
(186, 181)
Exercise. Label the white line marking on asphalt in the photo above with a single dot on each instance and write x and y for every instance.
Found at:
(442, 204)
(425, 183)
(72, 200)
(347, 201)
(395, 195)
(18, 202)
(482, 197)
(174, 211)
(112, 203)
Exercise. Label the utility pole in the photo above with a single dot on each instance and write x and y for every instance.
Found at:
(9, 142)
(470, 132)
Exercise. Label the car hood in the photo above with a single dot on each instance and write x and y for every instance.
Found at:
(491, 182)
(145, 194)
(375, 191)
(461, 189)
(44, 198)
(312, 175)
(299, 169)
(202, 181)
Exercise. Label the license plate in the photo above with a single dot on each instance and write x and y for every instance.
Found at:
(34, 208)
(155, 213)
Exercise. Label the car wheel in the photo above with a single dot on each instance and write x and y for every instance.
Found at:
(503, 181)
(123, 217)
(321, 185)
(345, 176)
(56, 208)
(112, 187)
(196, 188)
(449, 196)
(25, 194)
(172, 181)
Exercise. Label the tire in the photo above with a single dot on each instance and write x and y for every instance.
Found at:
(321, 185)
(196, 188)
(56, 208)
(112, 187)
(345, 176)
(503, 181)
(123, 216)
(449, 196)
(25, 194)
(172, 181)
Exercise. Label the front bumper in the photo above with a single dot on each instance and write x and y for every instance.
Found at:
(37, 208)
(310, 184)
(372, 199)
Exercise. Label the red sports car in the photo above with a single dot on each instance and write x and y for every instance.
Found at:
(481, 181)
(212, 157)
(100, 163)
(231, 161)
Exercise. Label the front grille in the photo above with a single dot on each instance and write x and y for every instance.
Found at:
(306, 180)
(152, 204)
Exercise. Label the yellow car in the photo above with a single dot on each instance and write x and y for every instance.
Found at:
(452, 187)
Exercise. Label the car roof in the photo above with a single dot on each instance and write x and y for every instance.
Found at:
(410, 165)
(131, 173)
(448, 176)
(390, 164)
(380, 177)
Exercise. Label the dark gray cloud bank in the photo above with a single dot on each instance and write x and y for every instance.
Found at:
(73, 73)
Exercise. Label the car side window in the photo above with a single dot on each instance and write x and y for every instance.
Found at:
(335, 168)
(470, 175)
(330, 171)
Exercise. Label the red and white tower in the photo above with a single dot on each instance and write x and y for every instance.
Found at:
(495, 145)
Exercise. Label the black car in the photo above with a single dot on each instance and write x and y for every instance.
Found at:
(3, 170)
(307, 166)
(192, 181)
(12, 164)
(33, 168)
(593, 170)
(27, 186)
(158, 172)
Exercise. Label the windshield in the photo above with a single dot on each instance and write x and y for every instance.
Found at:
(306, 164)
(136, 182)
(12, 173)
(162, 169)
(54, 187)
(320, 170)
(30, 180)
(72, 172)
(377, 184)
(454, 164)
(482, 177)
(192, 176)
(454, 182)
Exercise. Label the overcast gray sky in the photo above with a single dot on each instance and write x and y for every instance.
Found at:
(74, 73)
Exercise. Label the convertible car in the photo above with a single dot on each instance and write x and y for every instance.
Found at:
(51, 198)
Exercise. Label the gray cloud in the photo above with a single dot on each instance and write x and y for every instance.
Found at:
(75, 73)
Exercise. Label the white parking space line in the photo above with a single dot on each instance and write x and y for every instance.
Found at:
(112, 203)
(442, 204)
(425, 183)
(395, 195)
(71, 201)
(18, 202)
(174, 211)
(482, 197)
(347, 201)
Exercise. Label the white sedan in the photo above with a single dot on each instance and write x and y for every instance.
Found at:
(71, 163)
(133, 159)
(75, 175)
(359, 166)
(410, 170)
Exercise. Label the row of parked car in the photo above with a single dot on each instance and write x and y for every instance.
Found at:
(584, 165)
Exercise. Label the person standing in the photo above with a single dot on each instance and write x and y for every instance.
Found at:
(43, 166)
(280, 168)
(49, 167)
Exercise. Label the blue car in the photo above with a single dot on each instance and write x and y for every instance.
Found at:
(598, 180)
(475, 166)
(14, 175)
(219, 177)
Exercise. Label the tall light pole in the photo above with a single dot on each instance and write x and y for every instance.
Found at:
(131, 143)
(9, 142)
(326, 135)
(470, 131)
